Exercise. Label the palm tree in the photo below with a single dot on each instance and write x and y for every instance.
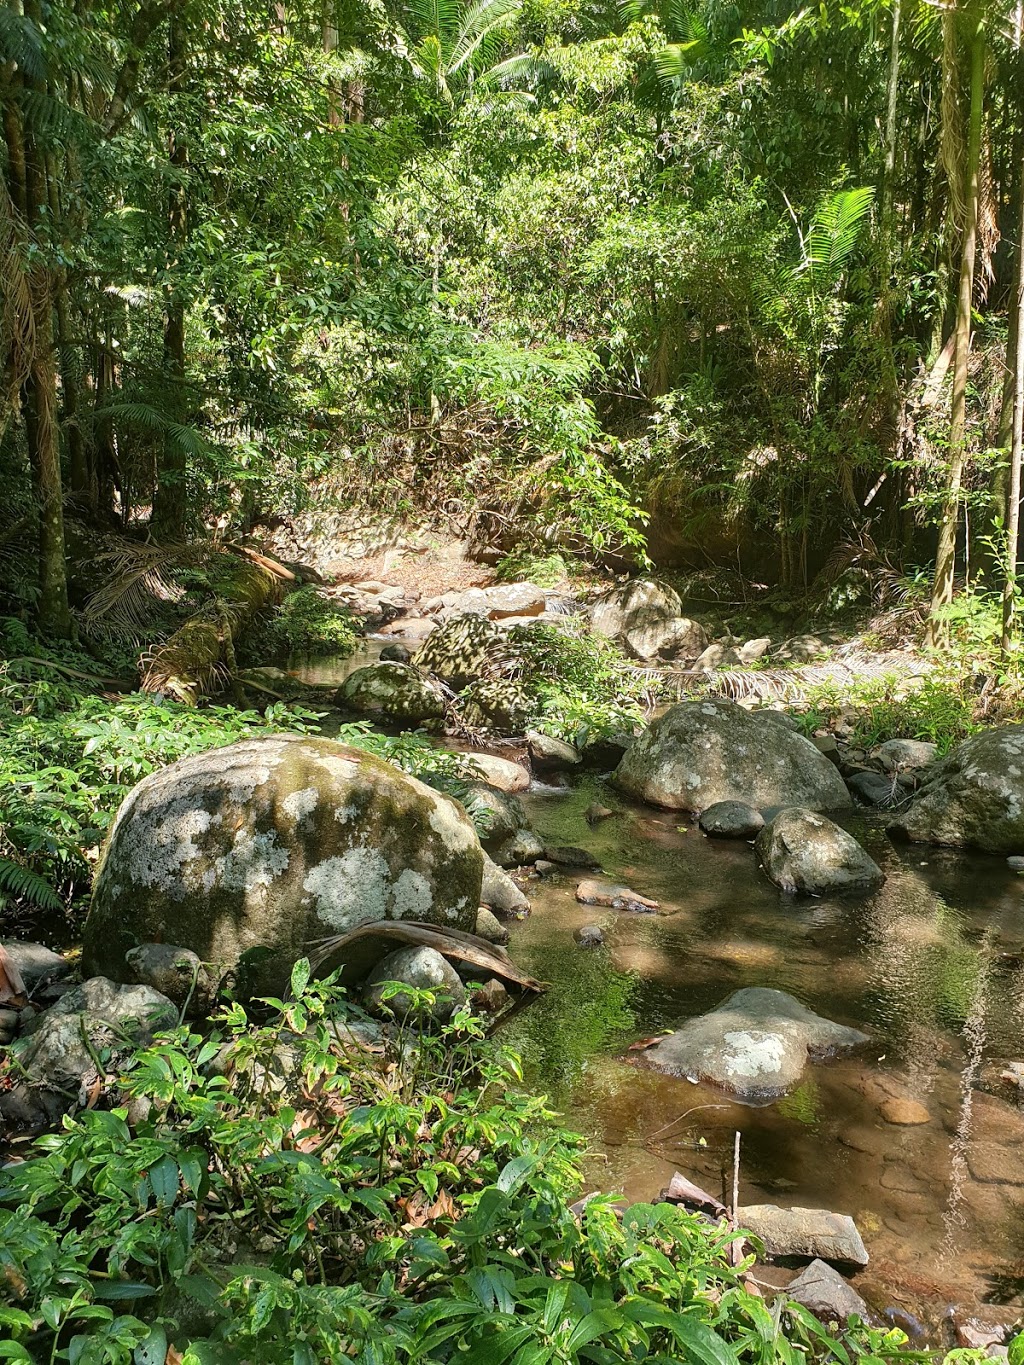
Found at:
(453, 46)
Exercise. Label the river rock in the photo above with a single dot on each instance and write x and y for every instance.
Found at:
(412, 629)
(871, 788)
(505, 813)
(501, 772)
(808, 854)
(731, 820)
(497, 704)
(392, 692)
(754, 1045)
(98, 1019)
(422, 968)
(519, 850)
(827, 1295)
(395, 654)
(176, 973)
(898, 755)
(263, 846)
(589, 936)
(546, 752)
(974, 797)
(38, 966)
(699, 753)
(490, 928)
(595, 892)
(647, 618)
(500, 893)
(461, 651)
(804, 1232)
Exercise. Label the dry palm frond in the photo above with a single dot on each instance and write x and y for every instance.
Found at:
(952, 146)
(136, 574)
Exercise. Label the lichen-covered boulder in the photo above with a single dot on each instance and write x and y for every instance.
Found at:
(808, 854)
(702, 752)
(394, 692)
(973, 798)
(248, 854)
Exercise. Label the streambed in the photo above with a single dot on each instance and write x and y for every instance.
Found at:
(930, 966)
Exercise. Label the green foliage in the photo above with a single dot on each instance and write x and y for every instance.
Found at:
(583, 686)
(307, 622)
(941, 710)
(388, 1203)
(547, 571)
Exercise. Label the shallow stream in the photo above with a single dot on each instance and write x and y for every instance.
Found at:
(932, 967)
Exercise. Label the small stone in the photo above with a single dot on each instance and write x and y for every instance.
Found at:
(488, 927)
(518, 850)
(731, 820)
(826, 1294)
(567, 855)
(9, 1022)
(871, 788)
(898, 754)
(905, 1113)
(500, 893)
(826, 744)
(175, 972)
(543, 868)
(589, 936)
(1015, 862)
(754, 650)
(423, 969)
(491, 997)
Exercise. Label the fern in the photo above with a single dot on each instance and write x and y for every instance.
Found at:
(23, 884)
(833, 234)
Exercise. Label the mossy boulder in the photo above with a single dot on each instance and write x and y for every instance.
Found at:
(700, 753)
(248, 854)
(392, 692)
(462, 650)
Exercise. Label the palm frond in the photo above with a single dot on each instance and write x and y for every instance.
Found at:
(21, 44)
(135, 576)
(674, 63)
(833, 233)
(523, 66)
(182, 437)
(479, 22)
(437, 18)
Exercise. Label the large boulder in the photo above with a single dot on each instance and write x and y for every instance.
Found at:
(702, 752)
(462, 650)
(501, 601)
(974, 797)
(262, 847)
(755, 1045)
(392, 692)
(808, 854)
(647, 618)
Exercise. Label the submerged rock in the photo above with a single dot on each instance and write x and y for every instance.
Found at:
(256, 849)
(827, 1295)
(699, 753)
(568, 855)
(394, 692)
(731, 820)
(754, 1045)
(974, 797)
(594, 892)
(804, 1232)
(806, 853)
(589, 936)
(422, 968)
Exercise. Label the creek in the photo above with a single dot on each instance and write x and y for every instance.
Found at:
(931, 966)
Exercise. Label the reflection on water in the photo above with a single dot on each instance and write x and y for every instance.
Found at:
(331, 670)
(932, 967)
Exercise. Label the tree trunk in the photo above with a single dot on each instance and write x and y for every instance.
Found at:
(170, 496)
(1013, 496)
(945, 558)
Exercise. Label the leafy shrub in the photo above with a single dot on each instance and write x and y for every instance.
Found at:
(584, 687)
(547, 571)
(388, 1203)
(306, 622)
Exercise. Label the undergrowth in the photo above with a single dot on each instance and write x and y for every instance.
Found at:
(312, 1190)
(70, 757)
(307, 622)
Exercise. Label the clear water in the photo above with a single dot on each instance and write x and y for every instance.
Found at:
(930, 966)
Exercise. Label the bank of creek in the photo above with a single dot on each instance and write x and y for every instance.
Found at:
(931, 966)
